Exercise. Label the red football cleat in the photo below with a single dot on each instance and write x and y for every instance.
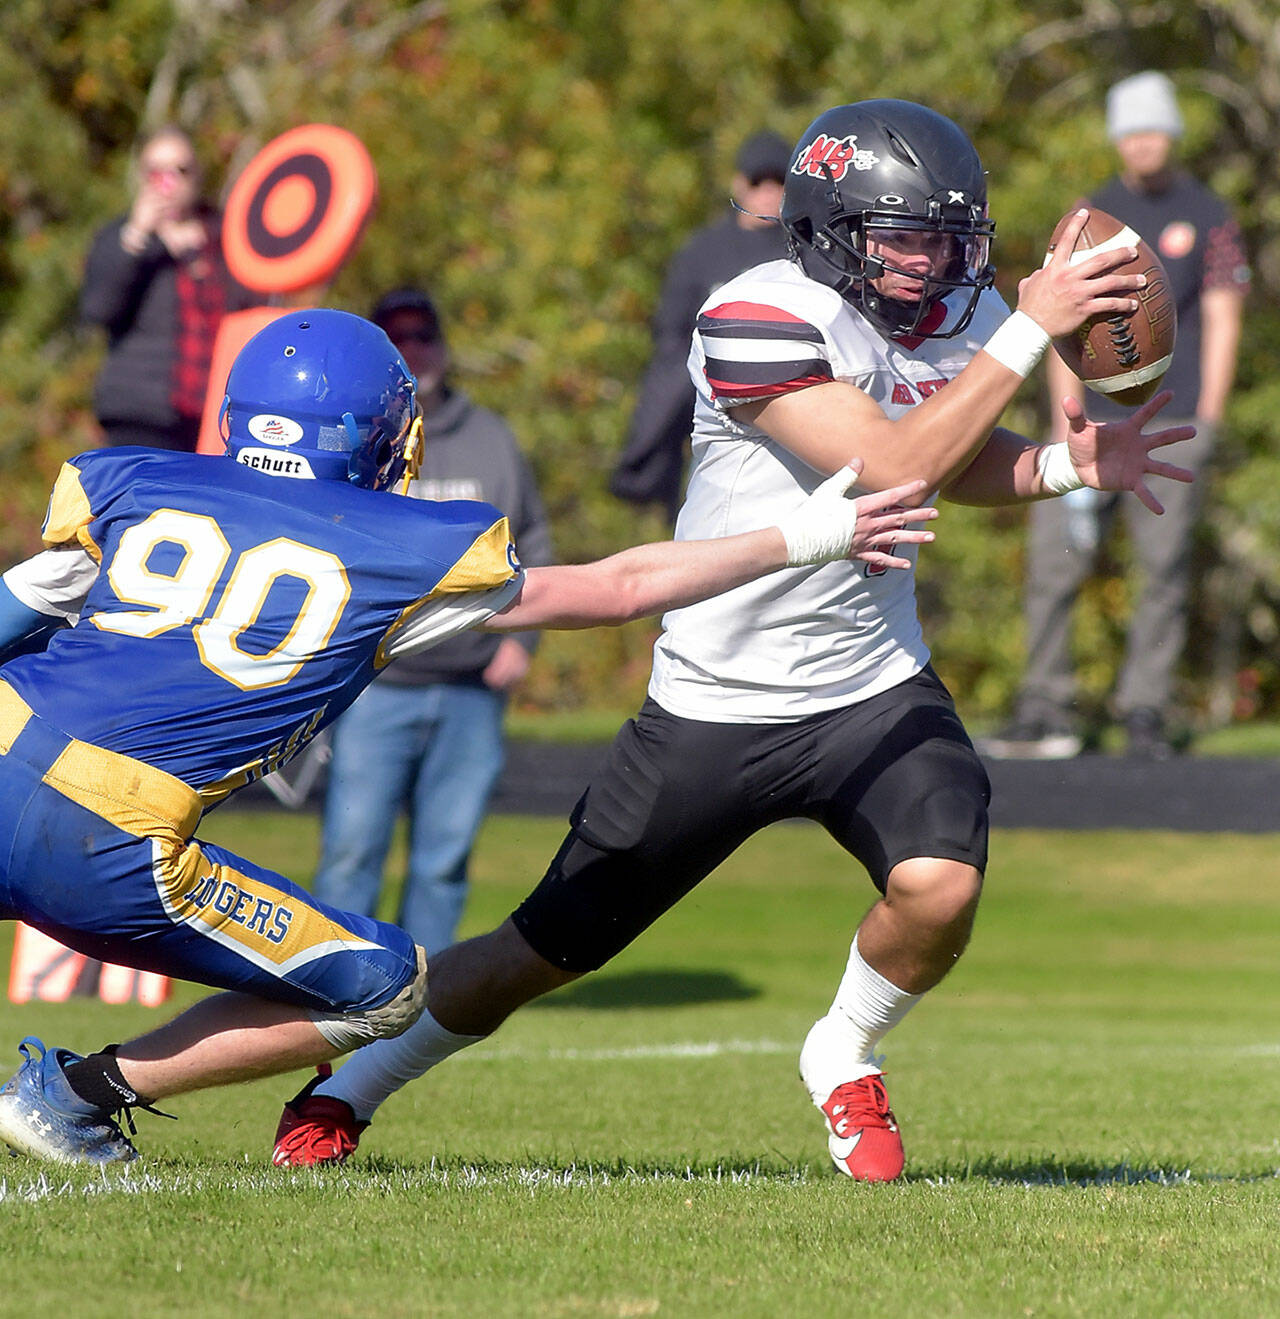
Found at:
(315, 1129)
(864, 1140)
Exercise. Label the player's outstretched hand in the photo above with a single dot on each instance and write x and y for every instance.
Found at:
(1062, 295)
(1117, 456)
(832, 525)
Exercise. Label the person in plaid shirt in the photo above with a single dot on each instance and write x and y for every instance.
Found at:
(157, 282)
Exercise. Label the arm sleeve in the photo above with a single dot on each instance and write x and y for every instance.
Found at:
(652, 459)
(753, 351)
(17, 620)
(1226, 265)
(684, 290)
(442, 617)
(52, 584)
(70, 513)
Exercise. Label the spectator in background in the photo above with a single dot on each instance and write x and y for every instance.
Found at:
(1199, 243)
(652, 462)
(157, 282)
(427, 735)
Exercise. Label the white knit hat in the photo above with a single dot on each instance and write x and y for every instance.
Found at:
(1145, 103)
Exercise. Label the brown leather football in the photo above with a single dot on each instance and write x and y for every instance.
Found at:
(1122, 356)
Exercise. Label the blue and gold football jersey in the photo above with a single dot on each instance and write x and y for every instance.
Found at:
(235, 614)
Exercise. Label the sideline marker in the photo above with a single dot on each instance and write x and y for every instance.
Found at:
(45, 970)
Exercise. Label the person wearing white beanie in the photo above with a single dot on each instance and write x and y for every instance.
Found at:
(1199, 244)
(1144, 103)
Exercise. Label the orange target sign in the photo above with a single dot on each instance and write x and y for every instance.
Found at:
(298, 209)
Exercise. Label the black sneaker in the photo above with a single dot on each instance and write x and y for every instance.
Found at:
(1033, 739)
(1147, 735)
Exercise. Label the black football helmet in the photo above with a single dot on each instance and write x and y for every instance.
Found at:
(889, 165)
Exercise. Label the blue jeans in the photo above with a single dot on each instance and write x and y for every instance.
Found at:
(438, 751)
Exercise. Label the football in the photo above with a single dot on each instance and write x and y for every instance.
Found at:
(1122, 356)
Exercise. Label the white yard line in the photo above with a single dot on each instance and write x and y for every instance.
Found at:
(685, 1049)
(49, 1184)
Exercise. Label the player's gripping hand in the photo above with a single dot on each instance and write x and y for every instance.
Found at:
(1061, 296)
(831, 524)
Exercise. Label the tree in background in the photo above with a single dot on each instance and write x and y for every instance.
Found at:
(540, 160)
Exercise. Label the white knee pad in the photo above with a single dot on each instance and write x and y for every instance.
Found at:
(351, 1030)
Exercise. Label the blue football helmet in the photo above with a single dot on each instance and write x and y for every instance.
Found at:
(322, 394)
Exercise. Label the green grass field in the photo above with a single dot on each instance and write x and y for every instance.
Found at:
(1089, 1107)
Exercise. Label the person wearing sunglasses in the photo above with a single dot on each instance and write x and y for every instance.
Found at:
(443, 708)
(156, 281)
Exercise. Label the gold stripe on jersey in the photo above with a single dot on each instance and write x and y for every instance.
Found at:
(213, 794)
(274, 929)
(274, 758)
(14, 713)
(69, 515)
(486, 564)
(138, 798)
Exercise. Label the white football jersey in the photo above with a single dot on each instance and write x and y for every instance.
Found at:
(802, 640)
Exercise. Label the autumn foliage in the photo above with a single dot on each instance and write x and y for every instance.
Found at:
(539, 162)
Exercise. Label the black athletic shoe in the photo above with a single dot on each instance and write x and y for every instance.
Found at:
(1147, 735)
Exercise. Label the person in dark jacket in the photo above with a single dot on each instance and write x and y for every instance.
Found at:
(156, 281)
(651, 466)
(1199, 243)
(427, 735)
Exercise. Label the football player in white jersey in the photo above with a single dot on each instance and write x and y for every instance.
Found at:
(808, 693)
(121, 729)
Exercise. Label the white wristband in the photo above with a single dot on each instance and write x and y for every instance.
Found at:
(1019, 344)
(821, 530)
(1057, 475)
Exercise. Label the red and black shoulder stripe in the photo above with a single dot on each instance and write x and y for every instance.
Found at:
(754, 351)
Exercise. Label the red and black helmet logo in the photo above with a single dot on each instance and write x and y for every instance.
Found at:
(833, 157)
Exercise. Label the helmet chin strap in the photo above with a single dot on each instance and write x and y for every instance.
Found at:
(900, 317)
(412, 453)
(889, 315)
(838, 278)
(817, 263)
(772, 219)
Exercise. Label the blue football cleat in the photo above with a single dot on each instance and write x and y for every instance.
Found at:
(42, 1116)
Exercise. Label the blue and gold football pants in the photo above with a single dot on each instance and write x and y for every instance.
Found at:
(96, 850)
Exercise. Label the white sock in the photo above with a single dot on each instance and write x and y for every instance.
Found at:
(841, 1046)
(381, 1068)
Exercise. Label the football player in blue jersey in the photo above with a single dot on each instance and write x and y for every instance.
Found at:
(222, 613)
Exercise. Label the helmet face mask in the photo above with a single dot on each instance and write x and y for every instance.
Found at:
(378, 460)
(864, 180)
(322, 395)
